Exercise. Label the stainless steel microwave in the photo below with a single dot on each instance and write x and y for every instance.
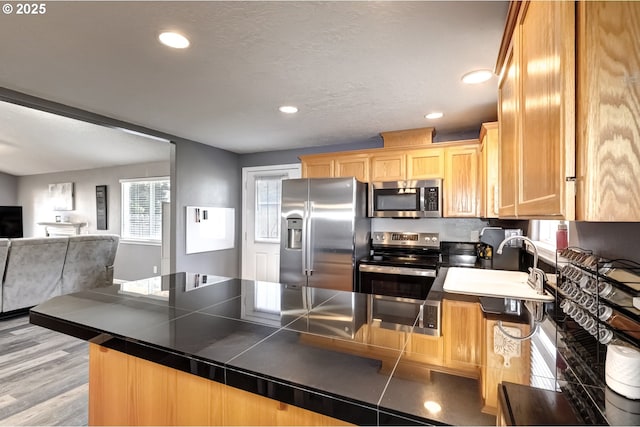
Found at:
(406, 199)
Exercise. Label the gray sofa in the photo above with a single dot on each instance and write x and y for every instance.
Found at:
(34, 270)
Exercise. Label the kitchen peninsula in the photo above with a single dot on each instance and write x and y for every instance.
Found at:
(200, 349)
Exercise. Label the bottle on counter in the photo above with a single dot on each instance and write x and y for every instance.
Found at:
(622, 275)
(607, 337)
(615, 295)
(619, 321)
(562, 237)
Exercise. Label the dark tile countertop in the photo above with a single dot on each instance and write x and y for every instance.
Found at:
(302, 346)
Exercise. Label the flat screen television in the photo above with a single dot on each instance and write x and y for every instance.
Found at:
(11, 221)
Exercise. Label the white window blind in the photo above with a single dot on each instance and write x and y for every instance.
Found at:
(267, 217)
(142, 208)
(547, 232)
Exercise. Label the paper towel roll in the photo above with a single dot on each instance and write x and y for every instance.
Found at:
(622, 370)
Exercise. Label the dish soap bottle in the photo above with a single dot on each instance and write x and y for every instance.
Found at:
(562, 240)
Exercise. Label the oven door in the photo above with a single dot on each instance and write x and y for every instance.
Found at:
(403, 282)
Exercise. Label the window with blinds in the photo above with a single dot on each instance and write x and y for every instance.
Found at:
(142, 208)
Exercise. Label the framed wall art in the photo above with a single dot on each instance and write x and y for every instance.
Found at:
(61, 196)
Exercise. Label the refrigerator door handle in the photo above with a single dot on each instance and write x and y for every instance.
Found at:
(305, 240)
(310, 239)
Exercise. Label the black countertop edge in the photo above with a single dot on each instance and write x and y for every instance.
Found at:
(68, 328)
(339, 407)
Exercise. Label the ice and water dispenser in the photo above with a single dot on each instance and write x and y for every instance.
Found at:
(294, 233)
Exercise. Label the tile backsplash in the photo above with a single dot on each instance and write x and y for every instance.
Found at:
(450, 229)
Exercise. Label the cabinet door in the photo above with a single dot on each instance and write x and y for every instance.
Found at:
(508, 108)
(356, 165)
(425, 164)
(462, 333)
(489, 166)
(505, 360)
(318, 168)
(608, 111)
(546, 154)
(388, 167)
(461, 189)
(425, 349)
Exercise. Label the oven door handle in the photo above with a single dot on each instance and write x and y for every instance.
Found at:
(404, 271)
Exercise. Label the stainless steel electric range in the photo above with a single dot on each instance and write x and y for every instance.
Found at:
(401, 277)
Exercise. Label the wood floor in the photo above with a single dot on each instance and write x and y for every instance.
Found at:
(43, 376)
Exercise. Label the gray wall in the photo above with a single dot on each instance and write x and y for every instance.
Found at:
(205, 176)
(8, 189)
(284, 157)
(133, 261)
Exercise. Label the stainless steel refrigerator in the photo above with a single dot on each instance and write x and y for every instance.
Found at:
(325, 231)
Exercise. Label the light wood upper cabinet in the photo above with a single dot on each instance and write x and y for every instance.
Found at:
(388, 166)
(457, 163)
(537, 113)
(317, 167)
(570, 100)
(462, 325)
(546, 156)
(336, 165)
(489, 193)
(425, 164)
(509, 133)
(356, 165)
(461, 186)
(608, 139)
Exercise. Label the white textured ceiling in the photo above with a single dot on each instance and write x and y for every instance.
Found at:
(354, 69)
(35, 142)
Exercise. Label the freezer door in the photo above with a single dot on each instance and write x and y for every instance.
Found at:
(295, 196)
(331, 233)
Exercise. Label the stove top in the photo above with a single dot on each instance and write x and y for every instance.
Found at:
(387, 239)
(416, 250)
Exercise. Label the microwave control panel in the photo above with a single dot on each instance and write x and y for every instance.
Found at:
(431, 199)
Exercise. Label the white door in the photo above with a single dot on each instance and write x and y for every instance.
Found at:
(261, 220)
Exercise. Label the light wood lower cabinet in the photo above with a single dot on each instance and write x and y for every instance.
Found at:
(462, 332)
(126, 390)
(425, 349)
(503, 360)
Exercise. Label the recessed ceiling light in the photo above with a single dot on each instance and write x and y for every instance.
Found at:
(434, 115)
(477, 76)
(174, 40)
(288, 109)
